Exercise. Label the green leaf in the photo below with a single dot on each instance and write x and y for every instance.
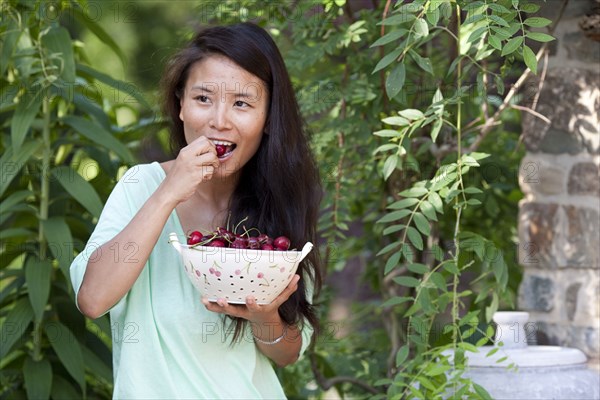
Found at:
(422, 223)
(394, 301)
(530, 8)
(473, 5)
(423, 62)
(438, 280)
(388, 59)
(98, 134)
(60, 241)
(530, 59)
(10, 38)
(540, 37)
(501, 33)
(393, 229)
(404, 203)
(15, 324)
(477, 34)
(11, 164)
(498, 20)
(407, 281)
(436, 201)
(495, 42)
(415, 237)
(388, 248)
(394, 216)
(512, 45)
(395, 81)
(414, 192)
(389, 37)
(97, 30)
(451, 267)
(399, 121)
(401, 355)
(38, 277)
(26, 110)
(500, 269)
(428, 210)
(124, 87)
(435, 130)
(499, 84)
(392, 262)
(38, 378)
(389, 166)
(68, 350)
(79, 188)
(469, 160)
(388, 133)
(473, 19)
(411, 114)
(418, 268)
(498, 8)
(421, 28)
(14, 199)
(62, 389)
(386, 147)
(537, 22)
(481, 392)
(58, 41)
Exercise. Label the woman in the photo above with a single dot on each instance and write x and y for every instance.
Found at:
(227, 88)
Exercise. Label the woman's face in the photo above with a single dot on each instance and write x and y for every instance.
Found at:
(229, 106)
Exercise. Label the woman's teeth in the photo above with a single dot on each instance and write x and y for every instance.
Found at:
(223, 147)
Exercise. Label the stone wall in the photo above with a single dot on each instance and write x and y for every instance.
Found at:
(559, 219)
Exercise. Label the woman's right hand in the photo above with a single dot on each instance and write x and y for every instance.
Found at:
(194, 164)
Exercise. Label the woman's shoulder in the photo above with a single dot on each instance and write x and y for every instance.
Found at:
(143, 174)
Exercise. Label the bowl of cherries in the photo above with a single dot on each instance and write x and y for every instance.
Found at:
(224, 264)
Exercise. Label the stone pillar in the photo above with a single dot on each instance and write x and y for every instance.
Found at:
(559, 218)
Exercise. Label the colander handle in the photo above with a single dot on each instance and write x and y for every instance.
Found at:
(305, 250)
(174, 240)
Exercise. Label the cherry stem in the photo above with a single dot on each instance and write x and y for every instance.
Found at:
(239, 223)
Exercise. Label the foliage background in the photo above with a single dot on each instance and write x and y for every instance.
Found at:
(53, 184)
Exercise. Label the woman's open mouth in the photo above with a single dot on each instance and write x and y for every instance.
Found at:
(224, 148)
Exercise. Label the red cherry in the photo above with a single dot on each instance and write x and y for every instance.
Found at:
(262, 238)
(225, 234)
(221, 149)
(239, 243)
(216, 243)
(282, 243)
(253, 243)
(195, 237)
(267, 246)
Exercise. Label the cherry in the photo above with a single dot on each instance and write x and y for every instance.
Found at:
(253, 243)
(282, 243)
(267, 246)
(225, 234)
(239, 243)
(216, 243)
(194, 238)
(262, 238)
(221, 149)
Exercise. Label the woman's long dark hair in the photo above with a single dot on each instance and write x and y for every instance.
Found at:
(279, 189)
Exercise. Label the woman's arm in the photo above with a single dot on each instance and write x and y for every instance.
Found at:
(107, 277)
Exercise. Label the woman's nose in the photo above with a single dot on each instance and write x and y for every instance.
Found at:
(220, 118)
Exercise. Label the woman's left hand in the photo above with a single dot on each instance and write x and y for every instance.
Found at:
(251, 311)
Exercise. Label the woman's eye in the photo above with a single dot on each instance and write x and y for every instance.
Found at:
(240, 103)
(202, 98)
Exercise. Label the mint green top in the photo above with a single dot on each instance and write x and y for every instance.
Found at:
(166, 345)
